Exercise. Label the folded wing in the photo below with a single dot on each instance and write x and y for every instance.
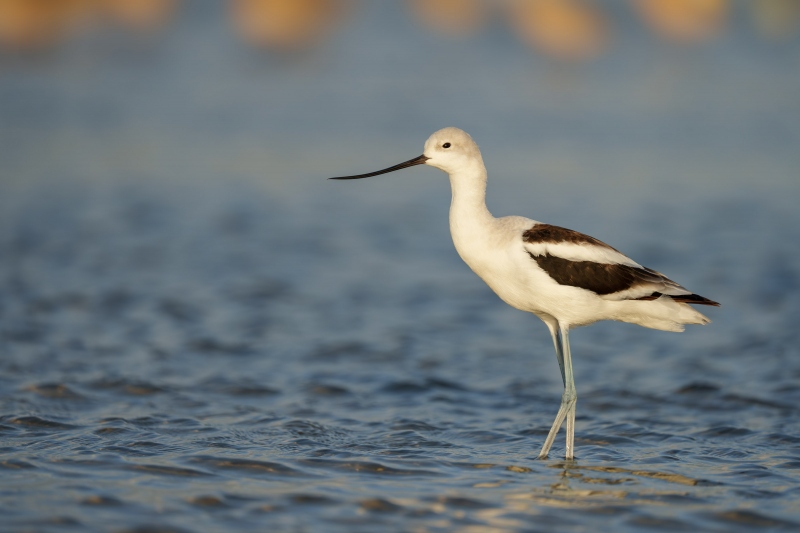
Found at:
(578, 260)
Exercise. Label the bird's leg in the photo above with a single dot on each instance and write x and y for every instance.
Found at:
(555, 332)
(567, 409)
(570, 394)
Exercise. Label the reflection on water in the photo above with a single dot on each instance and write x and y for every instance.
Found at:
(28, 25)
(778, 19)
(457, 18)
(561, 29)
(684, 20)
(32, 25)
(143, 16)
(286, 25)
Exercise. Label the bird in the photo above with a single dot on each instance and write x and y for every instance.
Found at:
(564, 277)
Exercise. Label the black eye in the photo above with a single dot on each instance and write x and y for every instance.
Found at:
(446, 145)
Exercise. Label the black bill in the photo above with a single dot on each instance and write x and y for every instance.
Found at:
(410, 163)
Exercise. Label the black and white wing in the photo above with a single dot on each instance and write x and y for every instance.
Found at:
(578, 260)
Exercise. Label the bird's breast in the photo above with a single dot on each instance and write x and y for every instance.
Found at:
(493, 256)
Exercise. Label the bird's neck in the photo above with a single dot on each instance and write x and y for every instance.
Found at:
(468, 212)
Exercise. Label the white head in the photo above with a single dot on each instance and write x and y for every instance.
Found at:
(449, 149)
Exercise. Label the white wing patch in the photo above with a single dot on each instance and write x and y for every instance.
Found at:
(580, 252)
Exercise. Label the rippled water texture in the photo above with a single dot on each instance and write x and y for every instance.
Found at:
(198, 332)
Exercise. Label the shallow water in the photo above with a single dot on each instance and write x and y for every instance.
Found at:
(199, 333)
(216, 367)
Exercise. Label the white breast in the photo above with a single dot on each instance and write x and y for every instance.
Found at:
(495, 252)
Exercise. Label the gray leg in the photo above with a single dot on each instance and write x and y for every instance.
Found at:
(570, 394)
(568, 399)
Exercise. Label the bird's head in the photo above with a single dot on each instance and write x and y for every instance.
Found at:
(449, 149)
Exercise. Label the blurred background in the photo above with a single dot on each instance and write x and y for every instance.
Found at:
(283, 91)
(193, 318)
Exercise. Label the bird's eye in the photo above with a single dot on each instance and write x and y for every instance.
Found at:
(446, 145)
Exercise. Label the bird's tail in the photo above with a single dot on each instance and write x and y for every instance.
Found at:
(663, 313)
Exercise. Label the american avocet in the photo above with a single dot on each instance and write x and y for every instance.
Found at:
(565, 278)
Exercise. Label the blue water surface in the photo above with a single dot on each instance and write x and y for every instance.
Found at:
(198, 332)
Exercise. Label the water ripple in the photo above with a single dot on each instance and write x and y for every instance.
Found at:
(174, 372)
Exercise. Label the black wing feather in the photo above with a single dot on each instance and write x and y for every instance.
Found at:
(600, 278)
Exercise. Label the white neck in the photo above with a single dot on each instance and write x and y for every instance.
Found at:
(468, 212)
